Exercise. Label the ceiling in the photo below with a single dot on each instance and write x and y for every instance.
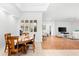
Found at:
(25, 7)
(62, 11)
(51, 11)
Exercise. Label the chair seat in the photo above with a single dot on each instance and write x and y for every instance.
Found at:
(30, 42)
(18, 46)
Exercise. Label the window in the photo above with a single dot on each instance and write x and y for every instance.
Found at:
(35, 28)
(29, 25)
(26, 28)
(35, 21)
(26, 21)
(22, 21)
(31, 21)
(22, 27)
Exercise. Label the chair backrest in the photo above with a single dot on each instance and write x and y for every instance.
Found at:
(11, 41)
(26, 35)
(7, 35)
(33, 37)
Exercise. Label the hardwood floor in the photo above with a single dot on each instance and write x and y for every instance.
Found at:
(53, 42)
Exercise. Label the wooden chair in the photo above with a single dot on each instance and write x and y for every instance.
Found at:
(32, 42)
(12, 47)
(25, 35)
(6, 41)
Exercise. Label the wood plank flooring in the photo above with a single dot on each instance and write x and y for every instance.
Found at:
(53, 42)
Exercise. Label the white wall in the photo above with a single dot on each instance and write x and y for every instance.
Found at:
(63, 24)
(9, 16)
(63, 15)
(75, 25)
(8, 23)
(34, 16)
(55, 24)
(71, 26)
(47, 24)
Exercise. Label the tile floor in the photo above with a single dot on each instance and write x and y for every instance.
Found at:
(46, 52)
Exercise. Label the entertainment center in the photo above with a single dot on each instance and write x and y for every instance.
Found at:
(62, 29)
(63, 32)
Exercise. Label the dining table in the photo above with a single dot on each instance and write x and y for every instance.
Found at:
(23, 40)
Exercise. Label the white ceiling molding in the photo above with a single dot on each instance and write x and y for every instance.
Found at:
(32, 6)
(13, 4)
(10, 9)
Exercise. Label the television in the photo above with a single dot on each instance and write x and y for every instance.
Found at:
(62, 29)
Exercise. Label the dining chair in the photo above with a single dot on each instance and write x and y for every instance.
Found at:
(13, 46)
(6, 41)
(32, 42)
(25, 35)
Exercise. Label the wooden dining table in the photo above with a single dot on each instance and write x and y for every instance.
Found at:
(25, 40)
